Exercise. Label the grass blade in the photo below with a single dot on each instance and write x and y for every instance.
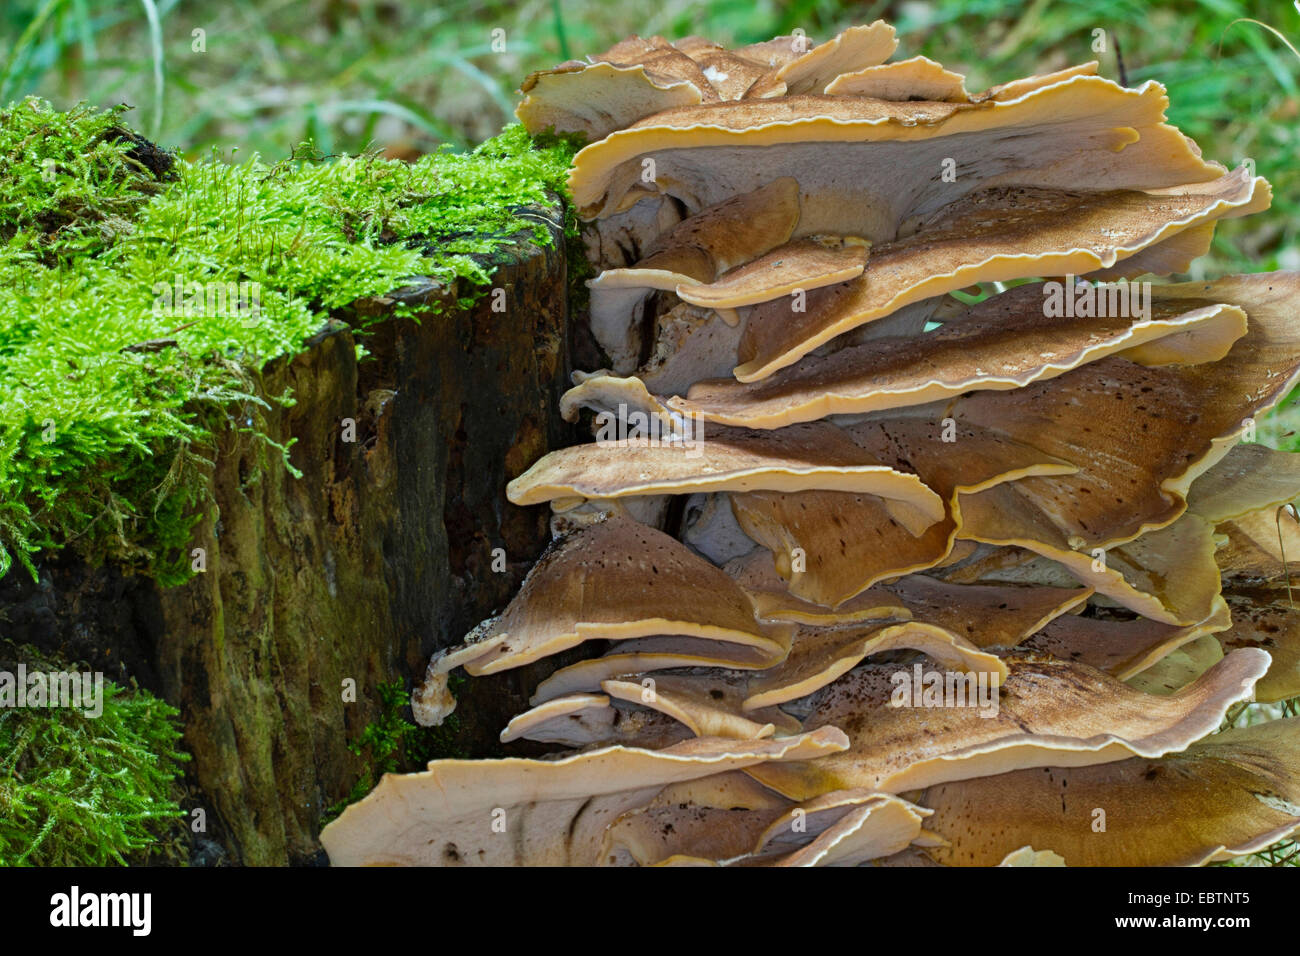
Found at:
(155, 43)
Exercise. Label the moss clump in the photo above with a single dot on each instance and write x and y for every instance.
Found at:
(392, 744)
(72, 181)
(87, 791)
(138, 309)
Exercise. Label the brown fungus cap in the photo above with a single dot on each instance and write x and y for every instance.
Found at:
(756, 573)
(615, 579)
(1049, 713)
(1139, 435)
(714, 818)
(957, 458)
(854, 49)
(841, 828)
(732, 76)
(709, 704)
(1167, 575)
(820, 655)
(648, 654)
(986, 615)
(1018, 88)
(916, 78)
(691, 344)
(830, 546)
(662, 60)
(920, 78)
(698, 345)
(995, 234)
(583, 720)
(595, 99)
(694, 252)
(1266, 619)
(1004, 343)
(1179, 668)
(848, 828)
(735, 231)
(815, 455)
(1247, 479)
(1121, 648)
(445, 815)
(803, 264)
(617, 396)
(1252, 548)
(1230, 794)
(866, 165)
(639, 77)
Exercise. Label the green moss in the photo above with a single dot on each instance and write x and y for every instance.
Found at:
(72, 181)
(141, 295)
(392, 744)
(87, 791)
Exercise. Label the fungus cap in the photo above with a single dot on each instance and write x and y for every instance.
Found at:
(444, 814)
(1049, 713)
(1230, 794)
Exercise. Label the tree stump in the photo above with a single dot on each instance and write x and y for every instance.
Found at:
(384, 550)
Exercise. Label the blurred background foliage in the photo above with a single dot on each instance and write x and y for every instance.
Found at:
(265, 75)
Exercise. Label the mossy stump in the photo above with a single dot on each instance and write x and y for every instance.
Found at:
(385, 549)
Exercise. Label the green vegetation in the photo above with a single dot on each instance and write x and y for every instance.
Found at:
(73, 184)
(140, 305)
(392, 744)
(87, 791)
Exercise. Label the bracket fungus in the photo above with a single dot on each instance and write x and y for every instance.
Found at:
(1230, 794)
(932, 579)
(1049, 712)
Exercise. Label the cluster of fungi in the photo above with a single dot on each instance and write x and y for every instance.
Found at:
(881, 572)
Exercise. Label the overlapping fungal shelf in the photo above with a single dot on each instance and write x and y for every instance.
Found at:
(839, 473)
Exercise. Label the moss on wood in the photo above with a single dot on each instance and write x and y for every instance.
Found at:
(142, 293)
